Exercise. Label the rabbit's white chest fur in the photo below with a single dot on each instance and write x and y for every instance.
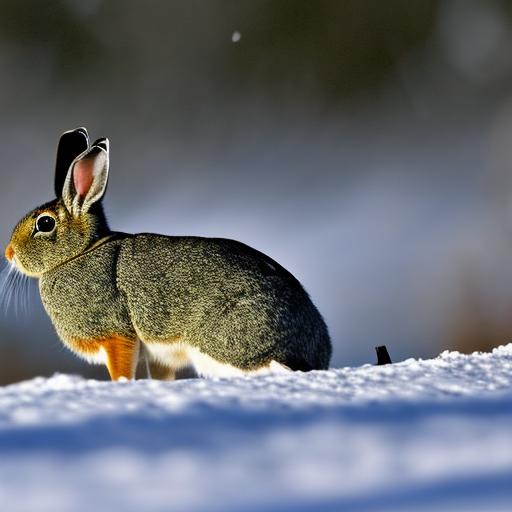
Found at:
(179, 355)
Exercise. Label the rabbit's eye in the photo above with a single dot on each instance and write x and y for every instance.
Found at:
(45, 223)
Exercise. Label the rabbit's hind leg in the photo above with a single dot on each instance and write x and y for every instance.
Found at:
(159, 371)
(167, 361)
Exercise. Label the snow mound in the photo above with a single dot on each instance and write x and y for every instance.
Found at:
(416, 435)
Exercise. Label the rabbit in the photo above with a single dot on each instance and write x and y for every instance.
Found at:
(208, 307)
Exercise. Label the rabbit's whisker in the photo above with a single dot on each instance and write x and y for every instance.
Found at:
(13, 289)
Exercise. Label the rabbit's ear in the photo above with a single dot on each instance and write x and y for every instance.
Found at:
(71, 144)
(87, 178)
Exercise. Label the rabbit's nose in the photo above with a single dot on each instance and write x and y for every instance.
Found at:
(9, 252)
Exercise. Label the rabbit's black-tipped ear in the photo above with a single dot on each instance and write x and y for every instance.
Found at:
(86, 180)
(71, 144)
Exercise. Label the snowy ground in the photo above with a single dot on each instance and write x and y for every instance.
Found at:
(417, 435)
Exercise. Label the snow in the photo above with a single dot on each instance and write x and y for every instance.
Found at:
(416, 435)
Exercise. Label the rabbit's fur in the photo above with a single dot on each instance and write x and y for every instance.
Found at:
(214, 306)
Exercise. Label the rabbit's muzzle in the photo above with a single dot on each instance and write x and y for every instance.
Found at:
(9, 252)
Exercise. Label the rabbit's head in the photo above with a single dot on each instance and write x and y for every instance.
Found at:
(65, 227)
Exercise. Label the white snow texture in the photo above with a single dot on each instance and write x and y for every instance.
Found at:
(416, 435)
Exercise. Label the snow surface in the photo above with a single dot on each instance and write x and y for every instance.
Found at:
(417, 435)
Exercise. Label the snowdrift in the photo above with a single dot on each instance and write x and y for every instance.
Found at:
(416, 435)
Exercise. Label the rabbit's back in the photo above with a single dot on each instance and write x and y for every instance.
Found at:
(230, 301)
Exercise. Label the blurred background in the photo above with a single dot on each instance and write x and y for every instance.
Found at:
(365, 145)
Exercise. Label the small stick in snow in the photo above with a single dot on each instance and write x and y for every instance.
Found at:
(383, 355)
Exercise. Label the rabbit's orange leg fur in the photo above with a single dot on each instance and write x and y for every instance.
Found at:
(122, 354)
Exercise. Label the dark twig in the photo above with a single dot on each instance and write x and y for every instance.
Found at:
(383, 355)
